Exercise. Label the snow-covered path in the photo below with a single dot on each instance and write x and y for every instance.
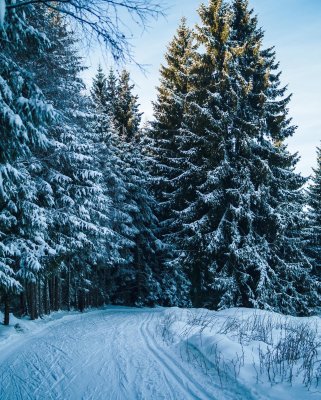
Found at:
(105, 354)
(120, 353)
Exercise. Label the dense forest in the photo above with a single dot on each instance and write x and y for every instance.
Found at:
(202, 206)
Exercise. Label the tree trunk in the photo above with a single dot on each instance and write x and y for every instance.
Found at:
(40, 305)
(68, 288)
(52, 293)
(6, 318)
(23, 305)
(140, 276)
(81, 300)
(46, 297)
(32, 296)
(32, 303)
(56, 293)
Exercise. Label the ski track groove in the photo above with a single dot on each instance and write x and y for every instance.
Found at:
(118, 348)
(185, 380)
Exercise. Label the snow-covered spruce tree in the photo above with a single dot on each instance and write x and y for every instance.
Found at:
(24, 114)
(165, 128)
(84, 229)
(166, 163)
(312, 232)
(78, 215)
(139, 282)
(200, 130)
(107, 155)
(98, 90)
(127, 115)
(134, 275)
(240, 228)
(280, 277)
(111, 94)
(155, 280)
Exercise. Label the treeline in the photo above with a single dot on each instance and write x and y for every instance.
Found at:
(77, 222)
(202, 206)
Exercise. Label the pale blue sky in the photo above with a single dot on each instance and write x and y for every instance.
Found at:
(292, 26)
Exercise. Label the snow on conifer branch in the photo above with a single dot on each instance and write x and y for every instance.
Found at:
(2, 11)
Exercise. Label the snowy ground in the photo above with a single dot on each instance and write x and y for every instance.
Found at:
(152, 354)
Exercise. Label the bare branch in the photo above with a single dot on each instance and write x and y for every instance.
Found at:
(106, 20)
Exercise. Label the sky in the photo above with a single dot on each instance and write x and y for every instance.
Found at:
(292, 26)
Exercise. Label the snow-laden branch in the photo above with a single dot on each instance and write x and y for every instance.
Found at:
(2, 11)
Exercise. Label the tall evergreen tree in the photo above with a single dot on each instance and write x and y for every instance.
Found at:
(137, 277)
(271, 268)
(98, 91)
(110, 156)
(77, 212)
(203, 122)
(244, 205)
(169, 109)
(111, 93)
(127, 113)
(109, 160)
(312, 232)
(24, 115)
(166, 160)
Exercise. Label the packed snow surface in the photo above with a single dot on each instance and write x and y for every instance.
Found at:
(126, 353)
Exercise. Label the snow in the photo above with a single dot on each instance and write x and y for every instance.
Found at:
(140, 353)
(2, 11)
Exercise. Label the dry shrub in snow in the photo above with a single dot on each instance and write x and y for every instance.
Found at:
(247, 344)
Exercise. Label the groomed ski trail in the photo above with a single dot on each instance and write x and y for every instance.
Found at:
(110, 354)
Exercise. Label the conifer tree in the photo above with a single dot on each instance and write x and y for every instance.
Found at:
(165, 129)
(83, 230)
(312, 233)
(127, 115)
(108, 156)
(77, 212)
(239, 229)
(111, 94)
(98, 91)
(136, 277)
(166, 160)
(203, 121)
(24, 115)
(117, 177)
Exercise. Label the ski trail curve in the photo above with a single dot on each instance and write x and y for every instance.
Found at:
(190, 386)
(109, 354)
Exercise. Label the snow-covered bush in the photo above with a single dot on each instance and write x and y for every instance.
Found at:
(252, 347)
